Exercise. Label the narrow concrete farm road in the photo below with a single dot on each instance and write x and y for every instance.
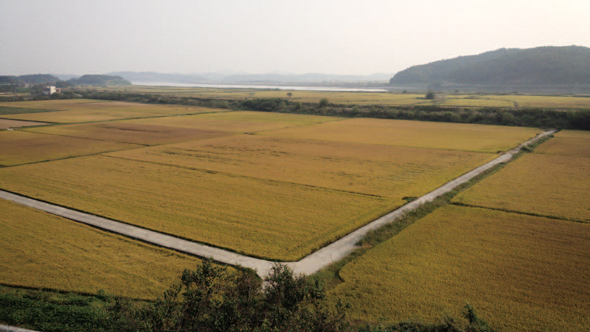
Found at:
(308, 265)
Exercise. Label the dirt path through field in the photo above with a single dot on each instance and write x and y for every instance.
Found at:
(308, 265)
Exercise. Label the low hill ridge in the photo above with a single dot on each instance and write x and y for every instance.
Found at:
(569, 65)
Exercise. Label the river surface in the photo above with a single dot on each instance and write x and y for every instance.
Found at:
(262, 87)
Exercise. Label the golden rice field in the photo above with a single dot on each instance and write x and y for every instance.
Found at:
(382, 170)
(420, 134)
(240, 121)
(543, 184)
(521, 273)
(166, 130)
(6, 110)
(5, 123)
(573, 134)
(566, 146)
(545, 101)
(46, 251)
(19, 147)
(55, 105)
(373, 98)
(470, 101)
(84, 110)
(273, 219)
(131, 131)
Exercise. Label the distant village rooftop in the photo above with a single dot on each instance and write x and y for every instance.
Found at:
(51, 89)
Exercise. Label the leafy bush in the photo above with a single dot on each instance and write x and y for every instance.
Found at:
(213, 298)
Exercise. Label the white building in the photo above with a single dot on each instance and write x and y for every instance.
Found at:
(50, 90)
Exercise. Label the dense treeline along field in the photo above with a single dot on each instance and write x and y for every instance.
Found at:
(280, 185)
(519, 251)
(369, 98)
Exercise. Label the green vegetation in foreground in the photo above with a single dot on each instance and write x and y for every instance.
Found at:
(206, 300)
(52, 311)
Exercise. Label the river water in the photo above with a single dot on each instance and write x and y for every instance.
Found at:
(262, 87)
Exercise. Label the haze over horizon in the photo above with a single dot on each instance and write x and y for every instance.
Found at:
(262, 36)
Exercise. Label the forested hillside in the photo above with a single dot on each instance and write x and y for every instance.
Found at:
(102, 80)
(536, 66)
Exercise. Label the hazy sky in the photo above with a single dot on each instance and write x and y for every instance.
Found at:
(334, 37)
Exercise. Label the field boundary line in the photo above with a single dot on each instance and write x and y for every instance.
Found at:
(241, 175)
(308, 265)
(532, 214)
(45, 123)
(82, 137)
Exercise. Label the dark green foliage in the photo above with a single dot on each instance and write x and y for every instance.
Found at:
(39, 79)
(10, 80)
(264, 104)
(8, 88)
(324, 102)
(536, 66)
(430, 95)
(101, 80)
(212, 298)
(63, 84)
(45, 312)
(446, 324)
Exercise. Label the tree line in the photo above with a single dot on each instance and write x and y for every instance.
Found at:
(521, 117)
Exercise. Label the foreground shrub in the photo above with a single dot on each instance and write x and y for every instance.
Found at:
(213, 298)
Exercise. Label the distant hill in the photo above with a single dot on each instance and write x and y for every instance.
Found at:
(9, 80)
(101, 80)
(29, 79)
(535, 66)
(218, 77)
(159, 77)
(39, 79)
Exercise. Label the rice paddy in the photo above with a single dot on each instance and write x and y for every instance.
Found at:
(4, 110)
(272, 219)
(40, 250)
(381, 170)
(573, 134)
(240, 121)
(522, 273)
(131, 132)
(548, 185)
(5, 124)
(83, 110)
(19, 147)
(566, 146)
(420, 134)
(280, 186)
